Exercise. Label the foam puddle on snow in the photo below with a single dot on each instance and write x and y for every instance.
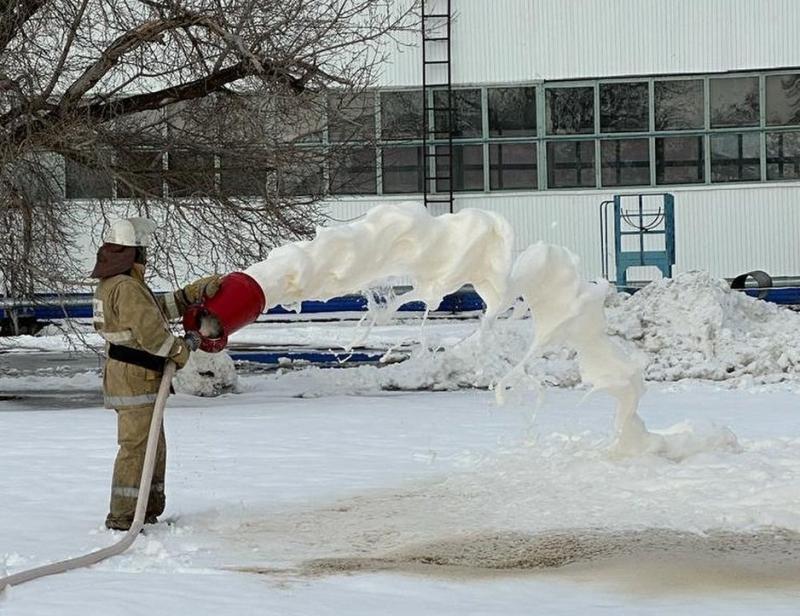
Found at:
(653, 561)
(439, 255)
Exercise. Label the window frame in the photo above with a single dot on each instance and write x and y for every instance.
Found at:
(540, 138)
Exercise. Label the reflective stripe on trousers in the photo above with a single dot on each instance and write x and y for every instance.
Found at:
(140, 400)
(126, 492)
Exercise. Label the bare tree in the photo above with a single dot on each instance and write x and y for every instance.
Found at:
(219, 118)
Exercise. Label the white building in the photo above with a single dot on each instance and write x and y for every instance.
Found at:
(561, 104)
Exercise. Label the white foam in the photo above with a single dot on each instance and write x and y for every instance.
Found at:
(438, 255)
(569, 311)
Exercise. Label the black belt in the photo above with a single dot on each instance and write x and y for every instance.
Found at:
(136, 357)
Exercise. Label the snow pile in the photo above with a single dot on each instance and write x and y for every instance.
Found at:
(56, 379)
(689, 438)
(478, 361)
(695, 327)
(206, 374)
(689, 327)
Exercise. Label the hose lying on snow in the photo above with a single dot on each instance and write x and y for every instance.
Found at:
(141, 503)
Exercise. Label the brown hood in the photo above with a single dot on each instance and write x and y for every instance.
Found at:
(113, 259)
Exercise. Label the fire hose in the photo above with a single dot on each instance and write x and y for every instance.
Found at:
(141, 502)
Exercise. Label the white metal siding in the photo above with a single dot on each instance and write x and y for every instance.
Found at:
(727, 231)
(497, 41)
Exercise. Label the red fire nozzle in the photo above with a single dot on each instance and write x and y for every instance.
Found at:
(238, 302)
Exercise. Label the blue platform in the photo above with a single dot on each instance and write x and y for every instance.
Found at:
(788, 296)
(79, 306)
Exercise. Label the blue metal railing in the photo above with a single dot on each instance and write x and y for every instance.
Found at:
(640, 224)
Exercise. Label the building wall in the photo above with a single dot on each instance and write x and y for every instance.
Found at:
(504, 41)
(726, 231)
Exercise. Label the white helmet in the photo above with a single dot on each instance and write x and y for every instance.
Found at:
(136, 231)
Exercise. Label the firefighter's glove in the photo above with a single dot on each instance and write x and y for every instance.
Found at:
(202, 288)
(181, 352)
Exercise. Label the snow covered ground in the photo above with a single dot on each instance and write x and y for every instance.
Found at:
(261, 483)
(367, 491)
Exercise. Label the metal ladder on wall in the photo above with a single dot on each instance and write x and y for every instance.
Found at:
(437, 77)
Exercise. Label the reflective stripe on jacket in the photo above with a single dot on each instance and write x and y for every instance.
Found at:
(128, 314)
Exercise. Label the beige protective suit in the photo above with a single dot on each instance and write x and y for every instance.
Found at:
(135, 324)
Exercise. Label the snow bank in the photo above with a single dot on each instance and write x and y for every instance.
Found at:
(688, 327)
(694, 326)
(53, 340)
(15, 380)
(206, 374)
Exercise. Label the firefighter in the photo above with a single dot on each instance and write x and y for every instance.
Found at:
(135, 325)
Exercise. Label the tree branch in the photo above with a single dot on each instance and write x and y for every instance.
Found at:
(107, 110)
(146, 32)
(13, 16)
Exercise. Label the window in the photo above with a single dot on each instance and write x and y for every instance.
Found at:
(679, 104)
(570, 164)
(301, 180)
(624, 107)
(467, 166)
(783, 100)
(309, 125)
(512, 166)
(467, 115)
(735, 157)
(355, 173)
(139, 174)
(401, 115)
(694, 129)
(402, 170)
(351, 118)
(190, 173)
(783, 156)
(734, 102)
(679, 160)
(625, 162)
(241, 175)
(570, 111)
(86, 183)
(512, 112)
